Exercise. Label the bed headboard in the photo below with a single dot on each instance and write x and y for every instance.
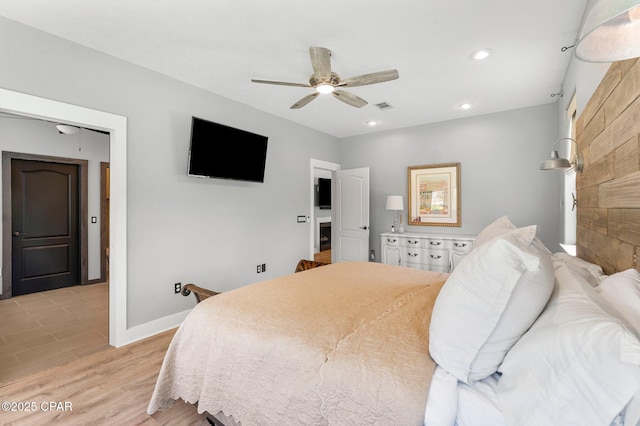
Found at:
(608, 190)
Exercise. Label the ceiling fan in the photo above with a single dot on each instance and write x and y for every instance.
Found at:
(326, 81)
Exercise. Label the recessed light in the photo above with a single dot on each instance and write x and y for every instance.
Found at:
(481, 54)
(372, 123)
(465, 106)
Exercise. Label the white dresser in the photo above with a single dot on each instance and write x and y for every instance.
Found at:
(433, 252)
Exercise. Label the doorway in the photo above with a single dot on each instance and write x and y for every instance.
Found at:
(318, 168)
(36, 107)
(45, 233)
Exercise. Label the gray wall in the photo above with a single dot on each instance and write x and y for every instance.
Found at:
(206, 231)
(499, 154)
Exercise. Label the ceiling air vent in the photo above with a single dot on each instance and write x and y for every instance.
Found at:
(383, 106)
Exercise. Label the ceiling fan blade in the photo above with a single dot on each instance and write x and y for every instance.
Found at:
(302, 102)
(373, 78)
(321, 62)
(349, 98)
(280, 83)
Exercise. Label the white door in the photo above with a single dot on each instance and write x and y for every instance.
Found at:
(350, 229)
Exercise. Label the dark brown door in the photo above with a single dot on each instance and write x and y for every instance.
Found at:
(44, 203)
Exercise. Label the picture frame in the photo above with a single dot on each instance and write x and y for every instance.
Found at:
(434, 195)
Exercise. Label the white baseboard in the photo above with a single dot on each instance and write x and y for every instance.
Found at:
(154, 327)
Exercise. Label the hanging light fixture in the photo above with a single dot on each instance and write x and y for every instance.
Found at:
(555, 162)
(610, 31)
(66, 129)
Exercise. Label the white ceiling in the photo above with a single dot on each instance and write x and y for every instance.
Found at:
(220, 45)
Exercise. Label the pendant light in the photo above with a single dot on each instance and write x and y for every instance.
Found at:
(610, 31)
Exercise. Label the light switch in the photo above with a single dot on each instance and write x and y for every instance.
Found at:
(94, 219)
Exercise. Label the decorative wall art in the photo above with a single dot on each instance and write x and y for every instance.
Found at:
(434, 195)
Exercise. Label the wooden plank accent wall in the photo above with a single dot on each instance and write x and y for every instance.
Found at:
(608, 190)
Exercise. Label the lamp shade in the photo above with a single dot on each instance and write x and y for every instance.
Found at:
(610, 31)
(555, 162)
(394, 202)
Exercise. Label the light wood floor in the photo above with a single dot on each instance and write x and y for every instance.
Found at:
(111, 387)
(323, 256)
(42, 330)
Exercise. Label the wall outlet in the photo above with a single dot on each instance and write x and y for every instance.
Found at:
(177, 287)
(258, 269)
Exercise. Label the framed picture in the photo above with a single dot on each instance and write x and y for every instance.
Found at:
(434, 195)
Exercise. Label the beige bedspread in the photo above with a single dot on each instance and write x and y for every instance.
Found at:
(345, 343)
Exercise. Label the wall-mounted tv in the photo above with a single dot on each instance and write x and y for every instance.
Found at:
(224, 152)
(324, 193)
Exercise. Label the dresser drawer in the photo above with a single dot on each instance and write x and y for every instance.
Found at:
(438, 258)
(391, 241)
(412, 242)
(414, 255)
(431, 243)
(461, 246)
(426, 257)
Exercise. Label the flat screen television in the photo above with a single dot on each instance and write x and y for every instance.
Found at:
(324, 193)
(224, 152)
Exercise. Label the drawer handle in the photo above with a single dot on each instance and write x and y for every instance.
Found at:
(435, 243)
(413, 241)
(389, 240)
(412, 254)
(460, 244)
(433, 256)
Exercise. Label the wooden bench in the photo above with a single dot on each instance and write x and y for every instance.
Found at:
(202, 293)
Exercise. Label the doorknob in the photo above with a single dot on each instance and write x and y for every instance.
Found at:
(364, 227)
(19, 234)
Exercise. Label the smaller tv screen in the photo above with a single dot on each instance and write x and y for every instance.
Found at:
(224, 152)
(324, 193)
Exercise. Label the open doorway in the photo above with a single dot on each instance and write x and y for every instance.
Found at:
(320, 218)
(56, 305)
(36, 107)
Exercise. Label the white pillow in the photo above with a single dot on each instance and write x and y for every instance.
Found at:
(498, 227)
(589, 271)
(488, 302)
(622, 291)
(442, 400)
(576, 365)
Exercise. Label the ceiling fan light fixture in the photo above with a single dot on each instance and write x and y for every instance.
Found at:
(324, 88)
(325, 81)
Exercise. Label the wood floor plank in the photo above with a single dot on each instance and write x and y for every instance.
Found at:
(62, 338)
(107, 388)
(56, 326)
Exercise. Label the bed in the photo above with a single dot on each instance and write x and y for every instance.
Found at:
(514, 335)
